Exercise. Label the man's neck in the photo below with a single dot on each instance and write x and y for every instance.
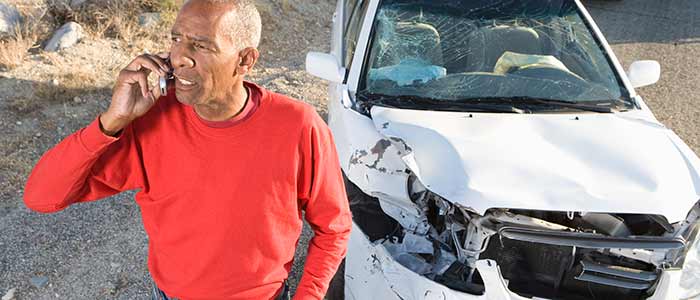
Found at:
(224, 109)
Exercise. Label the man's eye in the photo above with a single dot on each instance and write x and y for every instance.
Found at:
(199, 46)
(175, 39)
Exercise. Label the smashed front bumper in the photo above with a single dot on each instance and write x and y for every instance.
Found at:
(428, 248)
(372, 273)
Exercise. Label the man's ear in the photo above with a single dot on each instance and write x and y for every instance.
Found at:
(248, 57)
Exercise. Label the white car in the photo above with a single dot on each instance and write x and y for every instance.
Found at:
(496, 149)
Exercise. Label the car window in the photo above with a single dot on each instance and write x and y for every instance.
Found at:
(353, 31)
(475, 49)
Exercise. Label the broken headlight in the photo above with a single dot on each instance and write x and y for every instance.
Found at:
(688, 230)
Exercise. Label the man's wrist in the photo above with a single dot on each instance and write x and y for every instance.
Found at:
(111, 126)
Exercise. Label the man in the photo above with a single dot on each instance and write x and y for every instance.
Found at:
(224, 167)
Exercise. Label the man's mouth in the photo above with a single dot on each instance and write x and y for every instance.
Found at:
(183, 84)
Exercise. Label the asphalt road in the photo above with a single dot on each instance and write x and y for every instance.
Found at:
(98, 250)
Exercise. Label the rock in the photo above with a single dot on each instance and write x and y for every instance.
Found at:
(10, 295)
(149, 19)
(76, 3)
(9, 18)
(68, 35)
(77, 99)
(54, 82)
(18, 122)
(115, 265)
(39, 281)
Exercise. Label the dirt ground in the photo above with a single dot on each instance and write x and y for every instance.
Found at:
(98, 250)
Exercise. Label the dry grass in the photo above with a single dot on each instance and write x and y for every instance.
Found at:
(54, 59)
(118, 19)
(115, 18)
(14, 50)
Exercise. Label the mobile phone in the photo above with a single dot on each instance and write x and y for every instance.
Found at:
(163, 81)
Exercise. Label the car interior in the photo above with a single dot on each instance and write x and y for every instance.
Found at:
(547, 47)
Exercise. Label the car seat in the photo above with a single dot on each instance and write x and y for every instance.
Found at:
(487, 44)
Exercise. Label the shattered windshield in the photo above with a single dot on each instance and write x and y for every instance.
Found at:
(486, 49)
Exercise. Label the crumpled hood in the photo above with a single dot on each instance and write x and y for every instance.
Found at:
(564, 162)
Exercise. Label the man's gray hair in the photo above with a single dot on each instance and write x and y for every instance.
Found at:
(243, 24)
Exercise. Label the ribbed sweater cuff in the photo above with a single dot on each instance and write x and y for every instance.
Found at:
(93, 139)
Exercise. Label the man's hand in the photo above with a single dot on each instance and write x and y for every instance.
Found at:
(131, 96)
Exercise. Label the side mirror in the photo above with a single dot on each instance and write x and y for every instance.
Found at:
(324, 66)
(644, 72)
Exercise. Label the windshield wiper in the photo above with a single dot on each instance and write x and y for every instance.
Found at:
(515, 101)
(417, 102)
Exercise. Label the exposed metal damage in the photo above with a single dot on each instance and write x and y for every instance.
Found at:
(573, 255)
(372, 158)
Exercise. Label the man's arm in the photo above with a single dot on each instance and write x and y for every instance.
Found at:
(101, 159)
(85, 166)
(322, 194)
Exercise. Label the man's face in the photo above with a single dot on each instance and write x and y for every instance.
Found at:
(203, 57)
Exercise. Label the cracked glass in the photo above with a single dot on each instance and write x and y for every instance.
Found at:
(476, 49)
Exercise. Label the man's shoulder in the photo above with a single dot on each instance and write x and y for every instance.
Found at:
(286, 102)
(284, 106)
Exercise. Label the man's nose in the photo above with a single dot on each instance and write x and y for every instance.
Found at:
(181, 60)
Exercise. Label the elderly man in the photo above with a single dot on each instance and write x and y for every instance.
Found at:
(224, 167)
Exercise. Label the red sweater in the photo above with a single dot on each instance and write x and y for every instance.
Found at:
(221, 206)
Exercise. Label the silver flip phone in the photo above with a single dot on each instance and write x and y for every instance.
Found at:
(163, 81)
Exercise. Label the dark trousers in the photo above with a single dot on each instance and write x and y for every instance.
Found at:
(158, 294)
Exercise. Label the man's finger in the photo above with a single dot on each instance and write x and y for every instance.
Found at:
(155, 91)
(141, 79)
(161, 62)
(145, 62)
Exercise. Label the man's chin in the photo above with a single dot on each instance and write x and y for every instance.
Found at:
(184, 98)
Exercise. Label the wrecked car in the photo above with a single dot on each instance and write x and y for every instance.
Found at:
(496, 149)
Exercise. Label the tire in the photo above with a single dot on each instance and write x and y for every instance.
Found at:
(336, 289)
